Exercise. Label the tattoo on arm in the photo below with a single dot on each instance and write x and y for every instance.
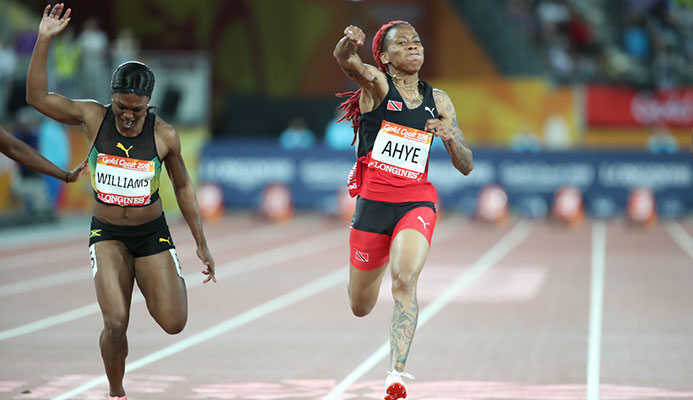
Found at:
(360, 76)
(351, 64)
(460, 154)
(351, 73)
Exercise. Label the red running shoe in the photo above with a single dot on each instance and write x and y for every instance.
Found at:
(395, 388)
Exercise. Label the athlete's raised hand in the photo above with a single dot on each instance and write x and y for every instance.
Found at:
(52, 22)
(206, 257)
(355, 35)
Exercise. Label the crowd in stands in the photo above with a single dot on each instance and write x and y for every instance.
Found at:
(83, 56)
(646, 43)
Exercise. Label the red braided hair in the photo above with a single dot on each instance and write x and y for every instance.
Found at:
(351, 109)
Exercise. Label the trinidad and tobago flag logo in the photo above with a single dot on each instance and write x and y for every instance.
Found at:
(394, 105)
(361, 256)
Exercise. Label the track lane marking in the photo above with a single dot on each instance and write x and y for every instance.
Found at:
(45, 281)
(84, 273)
(596, 309)
(681, 237)
(37, 257)
(507, 243)
(250, 263)
(317, 286)
(306, 291)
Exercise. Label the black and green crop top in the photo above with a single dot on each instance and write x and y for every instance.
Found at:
(124, 170)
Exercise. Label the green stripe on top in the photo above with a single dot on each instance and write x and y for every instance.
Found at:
(93, 157)
(157, 175)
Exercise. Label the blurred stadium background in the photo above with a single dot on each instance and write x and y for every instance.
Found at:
(592, 94)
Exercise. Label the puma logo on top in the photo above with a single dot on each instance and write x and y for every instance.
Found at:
(430, 110)
(423, 222)
(127, 151)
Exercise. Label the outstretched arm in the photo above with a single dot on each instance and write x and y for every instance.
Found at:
(445, 126)
(53, 105)
(32, 159)
(346, 54)
(371, 80)
(185, 195)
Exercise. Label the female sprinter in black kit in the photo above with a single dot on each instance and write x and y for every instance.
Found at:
(395, 118)
(129, 238)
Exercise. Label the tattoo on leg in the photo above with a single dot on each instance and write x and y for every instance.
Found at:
(402, 329)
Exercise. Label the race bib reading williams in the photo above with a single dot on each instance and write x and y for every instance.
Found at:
(401, 151)
(123, 181)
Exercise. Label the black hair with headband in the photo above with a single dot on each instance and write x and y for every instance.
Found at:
(133, 77)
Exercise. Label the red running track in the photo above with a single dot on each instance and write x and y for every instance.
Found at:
(530, 310)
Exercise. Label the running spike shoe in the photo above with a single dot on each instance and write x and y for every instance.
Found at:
(395, 388)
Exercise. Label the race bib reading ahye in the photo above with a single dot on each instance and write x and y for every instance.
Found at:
(401, 151)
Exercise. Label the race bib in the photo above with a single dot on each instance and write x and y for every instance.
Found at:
(123, 181)
(401, 151)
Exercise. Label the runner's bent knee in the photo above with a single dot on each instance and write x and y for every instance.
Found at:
(174, 326)
(361, 308)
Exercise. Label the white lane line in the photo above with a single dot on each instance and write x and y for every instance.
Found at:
(304, 292)
(62, 232)
(681, 237)
(487, 260)
(251, 315)
(246, 264)
(42, 257)
(49, 322)
(70, 276)
(76, 251)
(596, 309)
(57, 279)
(84, 273)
